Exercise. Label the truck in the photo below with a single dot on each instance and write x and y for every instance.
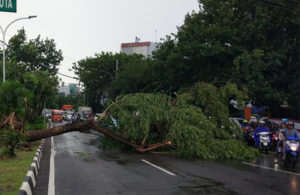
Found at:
(85, 113)
(67, 108)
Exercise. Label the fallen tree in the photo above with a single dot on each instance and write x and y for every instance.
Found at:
(13, 124)
(196, 124)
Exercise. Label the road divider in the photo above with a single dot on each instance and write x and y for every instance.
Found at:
(29, 181)
(157, 167)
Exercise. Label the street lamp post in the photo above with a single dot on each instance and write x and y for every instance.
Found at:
(3, 40)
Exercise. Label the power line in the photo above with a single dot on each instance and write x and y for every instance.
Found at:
(68, 76)
(280, 4)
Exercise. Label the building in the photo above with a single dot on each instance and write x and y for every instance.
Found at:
(143, 48)
(66, 90)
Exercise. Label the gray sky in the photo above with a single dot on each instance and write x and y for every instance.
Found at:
(82, 28)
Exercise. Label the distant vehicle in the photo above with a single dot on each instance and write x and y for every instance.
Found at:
(48, 115)
(57, 116)
(97, 116)
(85, 113)
(69, 115)
(67, 107)
(64, 113)
(238, 121)
(253, 119)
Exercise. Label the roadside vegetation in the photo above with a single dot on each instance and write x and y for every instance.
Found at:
(13, 170)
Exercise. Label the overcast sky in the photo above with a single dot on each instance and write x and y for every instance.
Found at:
(81, 28)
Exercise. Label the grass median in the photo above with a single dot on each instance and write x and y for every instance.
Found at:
(13, 170)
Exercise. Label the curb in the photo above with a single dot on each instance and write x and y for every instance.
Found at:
(29, 181)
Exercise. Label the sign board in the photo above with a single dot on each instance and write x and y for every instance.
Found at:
(137, 44)
(8, 5)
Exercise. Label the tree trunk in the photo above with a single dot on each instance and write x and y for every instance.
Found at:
(85, 126)
(41, 134)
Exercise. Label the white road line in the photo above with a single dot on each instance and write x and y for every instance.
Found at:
(51, 185)
(268, 168)
(162, 169)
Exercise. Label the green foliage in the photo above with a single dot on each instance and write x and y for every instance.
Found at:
(102, 81)
(43, 86)
(196, 128)
(252, 44)
(8, 141)
(31, 69)
(12, 95)
(35, 54)
(35, 125)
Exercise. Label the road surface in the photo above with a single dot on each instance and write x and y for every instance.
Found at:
(81, 167)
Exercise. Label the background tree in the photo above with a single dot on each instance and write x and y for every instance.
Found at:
(44, 88)
(101, 80)
(12, 94)
(32, 55)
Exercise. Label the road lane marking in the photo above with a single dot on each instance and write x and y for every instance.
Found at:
(51, 185)
(268, 168)
(159, 168)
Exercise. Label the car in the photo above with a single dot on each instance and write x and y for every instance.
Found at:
(97, 116)
(238, 121)
(57, 116)
(69, 115)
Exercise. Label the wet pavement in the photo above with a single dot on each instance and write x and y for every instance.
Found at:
(81, 167)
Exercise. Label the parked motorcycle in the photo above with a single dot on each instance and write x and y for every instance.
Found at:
(292, 151)
(264, 141)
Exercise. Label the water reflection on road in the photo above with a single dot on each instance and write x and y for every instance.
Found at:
(272, 161)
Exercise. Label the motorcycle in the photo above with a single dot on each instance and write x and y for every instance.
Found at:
(264, 141)
(73, 119)
(250, 138)
(292, 151)
(274, 139)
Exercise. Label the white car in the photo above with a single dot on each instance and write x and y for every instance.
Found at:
(97, 116)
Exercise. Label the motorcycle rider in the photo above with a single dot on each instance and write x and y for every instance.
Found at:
(73, 118)
(245, 128)
(259, 129)
(280, 135)
(289, 132)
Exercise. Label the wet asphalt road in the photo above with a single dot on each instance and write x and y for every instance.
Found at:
(82, 168)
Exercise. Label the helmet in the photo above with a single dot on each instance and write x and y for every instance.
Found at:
(284, 120)
(290, 123)
(245, 121)
(261, 122)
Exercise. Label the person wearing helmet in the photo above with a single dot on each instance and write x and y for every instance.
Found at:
(245, 128)
(280, 135)
(289, 132)
(259, 129)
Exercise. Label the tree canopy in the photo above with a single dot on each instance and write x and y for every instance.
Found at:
(254, 44)
(31, 74)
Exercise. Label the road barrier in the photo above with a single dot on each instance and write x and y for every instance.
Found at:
(29, 181)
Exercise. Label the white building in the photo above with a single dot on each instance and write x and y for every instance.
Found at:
(144, 48)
